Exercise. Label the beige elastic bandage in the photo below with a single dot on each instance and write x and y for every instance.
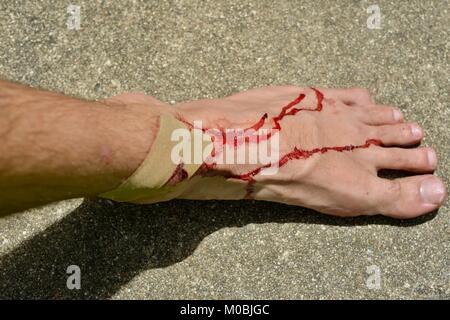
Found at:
(149, 183)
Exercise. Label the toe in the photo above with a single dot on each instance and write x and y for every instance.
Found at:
(410, 197)
(415, 160)
(380, 115)
(350, 96)
(399, 134)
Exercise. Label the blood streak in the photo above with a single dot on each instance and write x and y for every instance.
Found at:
(304, 154)
(178, 175)
(296, 154)
(258, 125)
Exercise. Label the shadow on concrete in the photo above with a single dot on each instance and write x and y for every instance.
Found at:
(113, 242)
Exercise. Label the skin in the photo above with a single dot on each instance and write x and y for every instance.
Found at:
(56, 147)
(81, 148)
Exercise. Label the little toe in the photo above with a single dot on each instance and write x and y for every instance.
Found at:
(350, 96)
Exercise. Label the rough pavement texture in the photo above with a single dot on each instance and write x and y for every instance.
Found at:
(178, 50)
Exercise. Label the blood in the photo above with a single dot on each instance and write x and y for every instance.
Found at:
(178, 175)
(304, 154)
(296, 154)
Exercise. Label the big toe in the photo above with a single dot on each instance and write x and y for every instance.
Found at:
(411, 196)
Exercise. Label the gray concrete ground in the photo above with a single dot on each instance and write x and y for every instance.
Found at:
(177, 50)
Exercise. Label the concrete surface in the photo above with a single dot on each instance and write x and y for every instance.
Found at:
(177, 50)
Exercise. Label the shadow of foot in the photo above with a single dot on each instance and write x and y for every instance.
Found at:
(112, 242)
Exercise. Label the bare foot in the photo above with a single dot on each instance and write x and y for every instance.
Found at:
(332, 144)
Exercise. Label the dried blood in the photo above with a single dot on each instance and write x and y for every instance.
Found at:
(296, 154)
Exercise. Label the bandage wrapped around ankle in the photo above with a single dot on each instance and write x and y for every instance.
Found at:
(158, 178)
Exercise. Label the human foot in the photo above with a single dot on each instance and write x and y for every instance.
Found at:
(332, 142)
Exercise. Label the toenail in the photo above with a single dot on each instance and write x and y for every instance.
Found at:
(416, 131)
(432, 158)
(432, 191)
(397, 115)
